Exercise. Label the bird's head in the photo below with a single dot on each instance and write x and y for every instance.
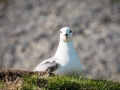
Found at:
(66, 34)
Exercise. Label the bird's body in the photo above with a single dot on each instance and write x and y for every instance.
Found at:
(65, 61)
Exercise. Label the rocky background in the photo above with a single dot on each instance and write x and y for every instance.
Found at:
(29, 33)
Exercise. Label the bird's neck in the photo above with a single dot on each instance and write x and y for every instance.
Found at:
(64, 48)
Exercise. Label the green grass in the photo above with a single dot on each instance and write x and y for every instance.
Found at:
(67, 83)
(34, 82)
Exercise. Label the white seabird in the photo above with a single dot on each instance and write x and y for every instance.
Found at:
(65, 61)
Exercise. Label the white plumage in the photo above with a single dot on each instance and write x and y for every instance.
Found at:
(65, 61)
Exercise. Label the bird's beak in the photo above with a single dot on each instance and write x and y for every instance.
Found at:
(66, 37)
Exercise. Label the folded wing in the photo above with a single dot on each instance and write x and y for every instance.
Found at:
(47, 66)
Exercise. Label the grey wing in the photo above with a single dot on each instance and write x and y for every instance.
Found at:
(49, 65)
(52, 66)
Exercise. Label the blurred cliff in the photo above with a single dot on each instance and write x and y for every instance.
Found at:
(29, 33)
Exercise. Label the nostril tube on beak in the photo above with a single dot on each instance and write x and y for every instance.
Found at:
(66, 34)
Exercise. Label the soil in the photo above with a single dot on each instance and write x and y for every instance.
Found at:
(12, 75)
(13, 79)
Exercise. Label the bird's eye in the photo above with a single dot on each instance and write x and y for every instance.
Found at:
(60, 31)
(70, 31)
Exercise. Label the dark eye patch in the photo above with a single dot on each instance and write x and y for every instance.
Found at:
(70, 31)
(60, 31)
